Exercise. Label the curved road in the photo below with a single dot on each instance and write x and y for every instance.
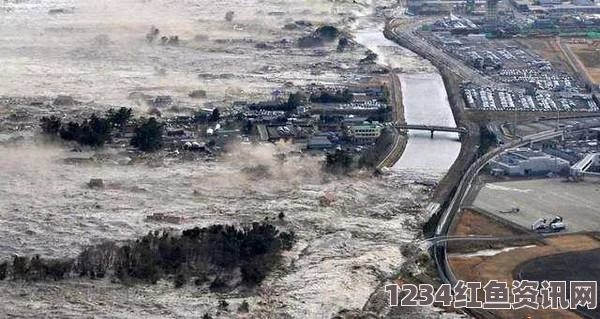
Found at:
(464, 186)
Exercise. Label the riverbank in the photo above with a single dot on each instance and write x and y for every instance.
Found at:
(469, 141)
(400, 139)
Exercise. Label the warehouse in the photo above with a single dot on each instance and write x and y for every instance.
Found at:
(527, 162)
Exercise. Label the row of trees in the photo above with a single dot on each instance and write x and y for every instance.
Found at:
(200, 253)
(338, 96)
(96, 131)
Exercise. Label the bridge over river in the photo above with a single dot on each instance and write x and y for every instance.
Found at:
(431, 128)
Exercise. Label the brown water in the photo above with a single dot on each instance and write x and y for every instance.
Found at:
(99, 53)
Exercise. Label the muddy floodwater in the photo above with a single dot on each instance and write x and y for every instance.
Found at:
(97, 52)
(342, 253)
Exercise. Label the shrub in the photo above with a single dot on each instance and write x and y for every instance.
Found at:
(71, 132)
(119, 118)
(50, 125)
(244, 307)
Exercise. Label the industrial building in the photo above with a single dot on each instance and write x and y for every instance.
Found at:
(319, 143)
(433, 7)
(527, 162)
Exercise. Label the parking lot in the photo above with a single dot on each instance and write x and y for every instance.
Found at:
(524, 80)
(577, 203)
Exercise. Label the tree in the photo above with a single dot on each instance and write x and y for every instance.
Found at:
(3, 270)
(120, 117)
(216, 115)
(295, 100)
(487, 139)
(342, 44)
(370, 58)
(247, 127)
(71, 132)
(50, 125)
(385, 94)
(229, 16)
(327, 32)
(95, 132)
(148, 135)
(223, 304)
(201, 117)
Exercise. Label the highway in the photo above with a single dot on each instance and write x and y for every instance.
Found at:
(463, 188)
(406, 37)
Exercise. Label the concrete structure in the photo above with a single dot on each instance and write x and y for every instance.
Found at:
(526, 162)
(431, 128)
(586, 165)
(491, 12)
(577, 203)
(365, 133)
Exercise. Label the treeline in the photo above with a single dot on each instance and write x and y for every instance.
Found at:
(208, 255)
(96, 131)
(294, 100)
(338, 96)
(299, 98)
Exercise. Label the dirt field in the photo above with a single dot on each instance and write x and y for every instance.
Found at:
(471, 222)
(590, 58)
(571, 266)
(501, 267)
(549, 50)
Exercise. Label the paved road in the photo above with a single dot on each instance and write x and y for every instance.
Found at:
(464, 186)
(407, 36)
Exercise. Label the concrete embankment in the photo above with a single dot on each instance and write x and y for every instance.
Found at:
(397, 148)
